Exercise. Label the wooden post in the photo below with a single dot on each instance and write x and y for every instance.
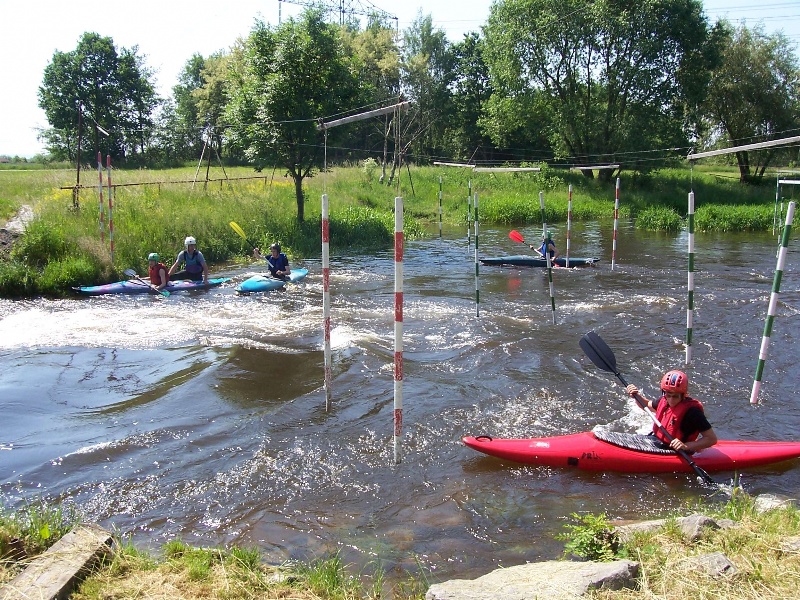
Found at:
(55, 573)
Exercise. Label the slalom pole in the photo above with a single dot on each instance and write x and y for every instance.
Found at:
(616, 222)
(690, 284)
(398, 326)
(326, 300)
(777, 197)
(773, 302)
(100, 190)
(547, 256)
(569, 224)
(110, 208)
(477, 263)
(469, 212)
(440, 207)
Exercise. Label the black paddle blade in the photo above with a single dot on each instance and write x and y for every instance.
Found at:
(599, 352)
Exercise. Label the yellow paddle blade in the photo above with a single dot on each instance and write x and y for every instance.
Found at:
(235, 226)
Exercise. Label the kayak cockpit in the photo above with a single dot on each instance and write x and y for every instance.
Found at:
(633, 441)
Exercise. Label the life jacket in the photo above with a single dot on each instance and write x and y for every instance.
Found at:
(193, 263)
(277, 264)
(154, 278)
(543, 250)
(671, 419)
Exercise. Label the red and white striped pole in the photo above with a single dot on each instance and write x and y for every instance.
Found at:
(398, 326)
(100, 190)
(616, 226)
(326, 299)
(477, 263)
(569, 224)
(110, 207)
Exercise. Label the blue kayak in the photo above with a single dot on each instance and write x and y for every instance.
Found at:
(264, 282)
(134, 286)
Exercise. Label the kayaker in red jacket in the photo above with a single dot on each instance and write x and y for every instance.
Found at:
(683, 417)
(158, 271)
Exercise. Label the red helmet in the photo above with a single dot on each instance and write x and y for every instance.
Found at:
(675, 381)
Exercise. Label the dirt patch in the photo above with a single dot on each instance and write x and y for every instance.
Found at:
(14, 228)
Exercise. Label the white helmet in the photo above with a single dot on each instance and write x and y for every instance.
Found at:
(189, 240)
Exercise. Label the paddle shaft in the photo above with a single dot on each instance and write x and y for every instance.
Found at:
(602, 356)
(517, 237)
(132, 273)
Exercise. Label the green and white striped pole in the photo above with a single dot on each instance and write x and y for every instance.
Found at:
(777, 197)
(690, 307)
(469, 212)
(773, 302)
(440, 207)
(477, 263)
(569, 224)
(547, 256)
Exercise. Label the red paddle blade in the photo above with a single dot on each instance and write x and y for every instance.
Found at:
(516, 236)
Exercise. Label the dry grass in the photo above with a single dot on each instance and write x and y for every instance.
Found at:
(765, 568)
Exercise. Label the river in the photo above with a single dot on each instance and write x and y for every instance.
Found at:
(202, 416)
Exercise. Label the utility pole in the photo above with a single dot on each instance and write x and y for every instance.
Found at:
(344, 7)
(76, 189)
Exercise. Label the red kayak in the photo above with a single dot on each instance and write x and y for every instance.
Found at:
(630, 453)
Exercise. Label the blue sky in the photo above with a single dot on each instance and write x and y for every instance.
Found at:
(168, 32)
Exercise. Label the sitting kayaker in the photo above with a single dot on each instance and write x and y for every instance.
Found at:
(548, 246)
(277, 261)
(194, 264)
(683, 417)
(158, 271)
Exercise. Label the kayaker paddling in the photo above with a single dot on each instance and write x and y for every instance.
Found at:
(683, 417)
(548, 246)
(277, 261)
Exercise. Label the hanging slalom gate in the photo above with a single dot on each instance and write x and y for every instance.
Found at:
(763, 351)
(398, 283)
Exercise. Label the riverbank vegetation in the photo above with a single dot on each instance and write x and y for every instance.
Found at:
(758, 544)
(153, 210)
(762, 546)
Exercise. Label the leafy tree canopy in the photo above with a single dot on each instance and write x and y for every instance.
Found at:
(288, 78)
(108, 92)
(607, 76)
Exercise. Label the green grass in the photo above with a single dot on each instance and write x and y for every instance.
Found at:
(154, 210)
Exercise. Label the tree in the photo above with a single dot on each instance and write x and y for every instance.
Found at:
(754, 94)
(186, 129)
(211, 98)
(374, 55)
(605, 76)
(471, 90)
(428, 71)
(287, 79)
(110, 92)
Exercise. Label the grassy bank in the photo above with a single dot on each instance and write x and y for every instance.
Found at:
(755, 544)
(154, 210)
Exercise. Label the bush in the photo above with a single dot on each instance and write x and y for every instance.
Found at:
(59, 276)
(659, 218)
(40, 244)
(17, 280)
(592, 538)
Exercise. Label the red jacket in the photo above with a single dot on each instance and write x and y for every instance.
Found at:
(671, 419)
(155, 278)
